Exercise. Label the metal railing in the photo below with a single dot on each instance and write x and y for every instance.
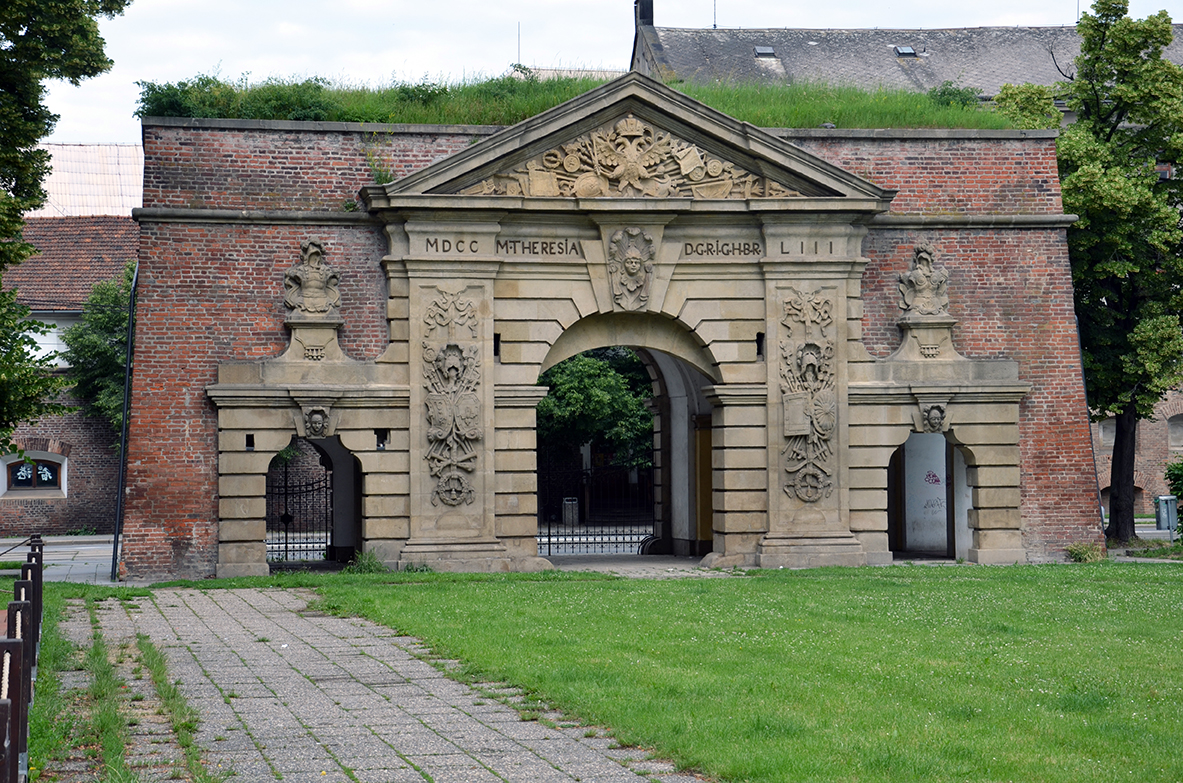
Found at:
(605, 510)
(18, 665)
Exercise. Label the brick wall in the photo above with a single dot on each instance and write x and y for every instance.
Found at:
(210, 292)
(92, 471)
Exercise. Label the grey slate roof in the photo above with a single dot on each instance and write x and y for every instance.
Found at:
(981, 57)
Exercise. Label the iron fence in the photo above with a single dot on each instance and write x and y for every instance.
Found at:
(299, 517)
(604, 510)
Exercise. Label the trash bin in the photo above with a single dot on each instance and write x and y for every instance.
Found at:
(1166, 512)
(570, 512)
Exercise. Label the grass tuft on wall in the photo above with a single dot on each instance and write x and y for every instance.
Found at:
(509, 99)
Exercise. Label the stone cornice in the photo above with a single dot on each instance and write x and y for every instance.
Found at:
(253, 216)
(727, 394)
(517, 396)
(971, 221)
(259, 395)
(956, 392)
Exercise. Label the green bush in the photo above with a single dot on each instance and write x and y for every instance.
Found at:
(1174, 477)
(365, 563)
(952, 94)
(1086, 552)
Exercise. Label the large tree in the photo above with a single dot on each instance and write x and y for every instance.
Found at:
(599, 398)
(1127, 247)
(96, 347)
(39, 40)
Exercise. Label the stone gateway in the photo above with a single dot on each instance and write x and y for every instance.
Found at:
(862, 342)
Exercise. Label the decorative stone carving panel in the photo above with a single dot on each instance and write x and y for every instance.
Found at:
(629, 159)
(452, 377)
(808, 394)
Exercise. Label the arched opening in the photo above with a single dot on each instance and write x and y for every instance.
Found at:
(638, 483)
(1141, 505)
(313, 503)
(928, 499)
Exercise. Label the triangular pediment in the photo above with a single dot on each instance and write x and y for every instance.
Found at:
(635, 138)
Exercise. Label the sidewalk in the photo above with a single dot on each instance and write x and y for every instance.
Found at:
(295, 695)
(69, 558)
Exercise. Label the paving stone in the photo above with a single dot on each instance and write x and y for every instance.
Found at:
(325, 694)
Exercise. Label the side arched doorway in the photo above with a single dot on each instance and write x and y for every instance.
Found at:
(313, 502)
(928, 499)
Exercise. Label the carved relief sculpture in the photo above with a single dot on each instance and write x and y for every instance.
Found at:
(630, 267)
(630, 159)
(451, 371)
(933, 417)
(316, 423)
(808, 395)
(924, 288)
(311, 286)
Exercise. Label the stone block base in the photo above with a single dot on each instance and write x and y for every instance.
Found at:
(810, 551)
(997, 556)
(468, 557)
(720, 560)
(232, 570)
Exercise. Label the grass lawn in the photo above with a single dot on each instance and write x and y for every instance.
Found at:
(1025, 673)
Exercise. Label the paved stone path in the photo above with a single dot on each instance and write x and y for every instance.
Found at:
(299, 696)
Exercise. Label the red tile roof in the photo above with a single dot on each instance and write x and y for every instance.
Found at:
(76, 253)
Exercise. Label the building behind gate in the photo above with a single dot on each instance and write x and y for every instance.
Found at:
(863, 341)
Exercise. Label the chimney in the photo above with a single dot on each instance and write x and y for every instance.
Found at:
(644, 12)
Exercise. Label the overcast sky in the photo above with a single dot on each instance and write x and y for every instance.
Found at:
(375, 41)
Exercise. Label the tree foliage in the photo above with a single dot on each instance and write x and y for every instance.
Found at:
(1127, 246)
(28, 384)
(96, 347)
(39, 40)
(599, 398)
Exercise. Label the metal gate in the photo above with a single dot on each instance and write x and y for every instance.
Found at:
(299, 517)
(605, 510)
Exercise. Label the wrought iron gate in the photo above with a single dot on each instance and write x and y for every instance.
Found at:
(299, 517)
(606, 510)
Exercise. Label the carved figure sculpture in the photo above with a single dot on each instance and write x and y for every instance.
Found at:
(924, 288)
(311, 286)
(633, 159)
(630, 267)
(808, 395)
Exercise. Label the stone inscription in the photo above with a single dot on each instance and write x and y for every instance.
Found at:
(445, 245)
(808, 395)
(629, 159)
(721, 249)
(538, 247)
(452, 376)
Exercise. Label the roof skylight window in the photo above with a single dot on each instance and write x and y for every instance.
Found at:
(765, 51)
(905, 51)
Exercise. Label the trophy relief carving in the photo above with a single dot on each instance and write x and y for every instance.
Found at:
(808, 395)
(452, 376)
(630, 267)
(924, 288)
(311, 286)
(629, 159)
